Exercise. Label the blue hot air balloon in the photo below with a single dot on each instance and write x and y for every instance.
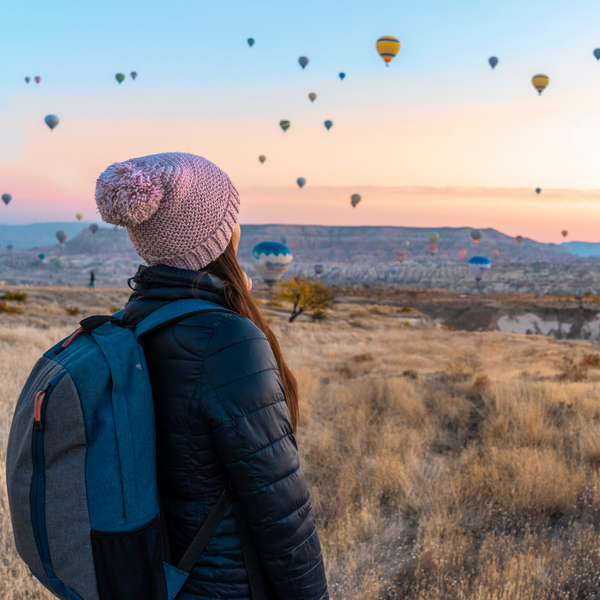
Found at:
(41, 256)
(300, 181)
(250, 42)
(93, 227)
(493, 62)
(318, 270)
(479, 266)
(597, 53)
(342, 76)
(303, 61)
(271, 260)
(328, 124)
(52, 121)
(538, 190)
(27, 79)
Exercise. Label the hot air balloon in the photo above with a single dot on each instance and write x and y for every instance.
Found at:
(387, 46)
(479, 266)
(312, 96)
(79, 216)
(519, 239)
(27, 79)
(262, 159)
(9, 247)
(250, 42)
(133, 75)
(433, 250)
(342, 76)
(462, 253)
(37, 78)
(407, 243)
(303, 61)
(6, 198)
(476, 235)
(318, 270)
(434, 237)
(120, 77)
(496, 253)
(597, 53)
(52, 121)
(540, 82)
(285, 125)
(564, 233)
(271, 260)
(61, 236)
(328, 124)
(401, 257)
(57, 262)
(41, 256)
(493, 61)
(354, 200)
(538, 190)
(93, 227)
(300, 181)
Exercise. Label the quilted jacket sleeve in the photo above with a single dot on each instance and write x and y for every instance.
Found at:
(242, 397)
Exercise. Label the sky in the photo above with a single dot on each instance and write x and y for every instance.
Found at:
(437, 139)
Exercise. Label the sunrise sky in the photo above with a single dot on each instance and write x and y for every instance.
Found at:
(437, 139)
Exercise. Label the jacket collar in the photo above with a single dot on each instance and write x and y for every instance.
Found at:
(161, 284)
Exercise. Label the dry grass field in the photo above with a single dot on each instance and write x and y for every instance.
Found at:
(442, 464)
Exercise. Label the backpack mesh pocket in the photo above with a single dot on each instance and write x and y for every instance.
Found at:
(129, 564)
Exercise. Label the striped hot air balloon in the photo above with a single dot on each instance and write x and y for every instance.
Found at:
(479, 266)
(271, 260)
(285, 125)
(540, 82)
(433, 250)
(318, 270)
(387, 46)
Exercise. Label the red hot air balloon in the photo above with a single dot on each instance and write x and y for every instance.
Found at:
(496, 253)
(519, 239)
(37, 78)
(433, 250)
(462, 253)
(401, 257)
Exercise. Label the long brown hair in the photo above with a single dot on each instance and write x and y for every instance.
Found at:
(228, 270)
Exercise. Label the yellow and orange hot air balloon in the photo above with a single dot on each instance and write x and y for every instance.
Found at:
(540, 82)
(387, 46)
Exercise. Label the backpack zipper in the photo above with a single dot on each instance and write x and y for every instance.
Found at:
(37, 497)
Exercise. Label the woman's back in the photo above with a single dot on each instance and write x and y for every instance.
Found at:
(221, 417)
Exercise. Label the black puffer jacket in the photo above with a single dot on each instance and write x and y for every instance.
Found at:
(221, 416)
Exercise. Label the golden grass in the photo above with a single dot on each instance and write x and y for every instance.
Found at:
(443, 465)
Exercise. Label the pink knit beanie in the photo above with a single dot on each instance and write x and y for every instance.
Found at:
(179, 209)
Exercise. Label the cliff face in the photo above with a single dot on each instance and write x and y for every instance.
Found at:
(349, 255)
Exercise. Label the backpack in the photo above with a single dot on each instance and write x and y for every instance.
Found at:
(81, 469)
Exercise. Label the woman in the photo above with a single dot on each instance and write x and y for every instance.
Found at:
(226, 402)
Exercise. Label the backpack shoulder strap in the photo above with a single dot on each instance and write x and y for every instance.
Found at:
(173, 312)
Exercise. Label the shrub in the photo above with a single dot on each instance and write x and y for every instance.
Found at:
(72, 310)
(9, 309)
(15, 296)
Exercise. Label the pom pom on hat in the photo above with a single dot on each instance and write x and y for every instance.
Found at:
(129, 194)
